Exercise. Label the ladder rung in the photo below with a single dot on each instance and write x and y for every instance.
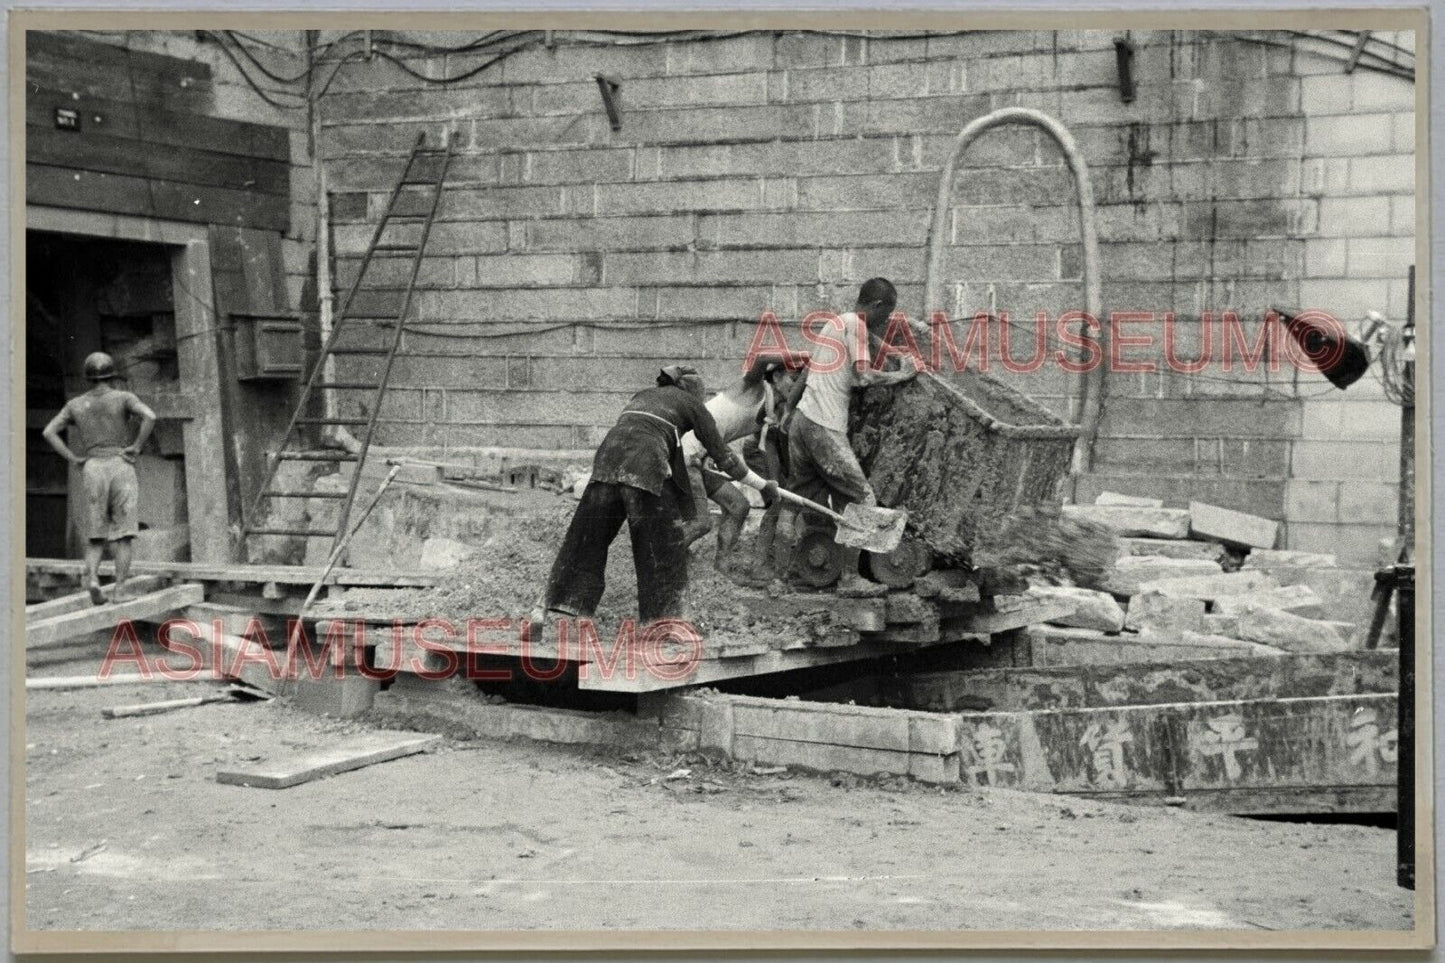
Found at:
(417, 182)
(313, 456)
(310, 532)
(344, 385)
(361, 350)
(276, 494)
(393, 248)
(332, 421)
(392, 216)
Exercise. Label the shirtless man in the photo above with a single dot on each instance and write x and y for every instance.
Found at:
(110, 493)
(735, 409)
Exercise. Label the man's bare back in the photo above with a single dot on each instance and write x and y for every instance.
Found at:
(102, 418)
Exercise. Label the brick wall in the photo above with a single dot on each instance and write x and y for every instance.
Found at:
(776, 172)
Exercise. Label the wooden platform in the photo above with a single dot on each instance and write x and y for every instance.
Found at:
(855, 630)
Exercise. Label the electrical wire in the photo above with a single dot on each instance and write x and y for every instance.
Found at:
(225, 34)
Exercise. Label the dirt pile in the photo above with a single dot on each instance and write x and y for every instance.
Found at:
(505, 577)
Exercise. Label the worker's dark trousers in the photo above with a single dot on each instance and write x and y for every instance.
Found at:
(658, 552)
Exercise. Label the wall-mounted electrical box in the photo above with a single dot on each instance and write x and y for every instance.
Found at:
(268, 347)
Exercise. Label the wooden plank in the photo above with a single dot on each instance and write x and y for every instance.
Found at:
(68, 61)
(714, 670)
(105, 617)
(80, 601)
(366, 749)
(256, 574)
(1260, 802)
(104, 152)
(970, 621)
(157, 125)
(121, 194)
(96, 681)
(165, 705)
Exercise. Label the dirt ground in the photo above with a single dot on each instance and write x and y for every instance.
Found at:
(126, 828)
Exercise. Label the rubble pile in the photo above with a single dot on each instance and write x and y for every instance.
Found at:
(1208, 578)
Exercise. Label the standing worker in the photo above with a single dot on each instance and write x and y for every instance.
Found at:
(822, 465)
(766, 452)
(109, 492)
(638, 476)
(737, 410)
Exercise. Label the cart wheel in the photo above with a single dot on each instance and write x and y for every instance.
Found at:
(901, 567)
(816, 560)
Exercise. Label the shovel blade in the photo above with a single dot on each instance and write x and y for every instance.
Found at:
(872, 527)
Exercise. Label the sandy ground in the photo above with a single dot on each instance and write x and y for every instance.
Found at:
(126, 828)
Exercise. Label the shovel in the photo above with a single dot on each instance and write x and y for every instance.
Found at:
(870, 527)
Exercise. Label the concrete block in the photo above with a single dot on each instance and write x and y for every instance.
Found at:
(351, 695)
(1168, 548)
(1222, 644)
(1129, 520)
(1390, 174)
(1211, 587)
(1293, 633)
(1153, 610)
(1134, 501)
(1298, 599)
(1052, 645)
(1231, 527)
(1267, 559)
(1133, 571)
(1351, 135)
(1092, 610)
(1225, 625)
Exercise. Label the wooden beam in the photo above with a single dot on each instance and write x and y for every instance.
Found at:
(256, 574)
(294, 769)
(966, 621)
(149, 197)
(95, 681)
(80, 601)
(102, 617)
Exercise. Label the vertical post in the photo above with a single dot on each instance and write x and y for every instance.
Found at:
(1405, 784)
(1405, 524)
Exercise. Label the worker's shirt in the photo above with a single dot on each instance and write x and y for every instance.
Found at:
(102, 422)
(734, 411)
(831, 379)
(644, 448)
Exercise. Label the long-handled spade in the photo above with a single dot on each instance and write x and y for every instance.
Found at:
(870, 527)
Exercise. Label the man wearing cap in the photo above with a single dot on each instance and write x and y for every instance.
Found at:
(737, 410)
(822, 465)
(100, 421)
(639, 477)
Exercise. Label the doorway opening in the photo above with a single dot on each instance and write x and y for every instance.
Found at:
(87, 294)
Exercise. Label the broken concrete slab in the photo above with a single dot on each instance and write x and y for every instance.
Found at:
(1154, 610)
(1054, 645)
(1220, 642)
(1133, 571)
(1211, 587)
(1214, 624)
(1299, 599)
(1266, 558)
(1134, 501)
(1234, 528)
(1092, 610)
(1133, 520)
(1294, 633)
(1169, 548)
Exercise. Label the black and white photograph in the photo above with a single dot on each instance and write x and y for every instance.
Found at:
(913, 479)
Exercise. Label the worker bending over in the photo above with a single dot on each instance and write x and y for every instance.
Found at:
(638, 476)
(737, 410)
(108, 450)
(822, 465)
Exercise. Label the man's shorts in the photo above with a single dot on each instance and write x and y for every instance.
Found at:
(822, 466)
(109, 499)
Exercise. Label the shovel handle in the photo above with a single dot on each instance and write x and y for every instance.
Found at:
(790, 497)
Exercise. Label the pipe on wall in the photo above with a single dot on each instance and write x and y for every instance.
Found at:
(1091, 381)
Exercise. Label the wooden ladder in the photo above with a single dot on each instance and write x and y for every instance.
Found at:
(416, 184)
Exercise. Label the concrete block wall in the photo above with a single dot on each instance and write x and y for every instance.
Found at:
(775, 172)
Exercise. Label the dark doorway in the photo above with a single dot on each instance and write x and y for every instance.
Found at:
(83, 295)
